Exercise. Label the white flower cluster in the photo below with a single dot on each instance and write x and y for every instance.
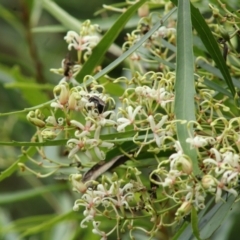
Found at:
(175, 175)
(151, 49)
(145, 106)
(91, 105)
(145, 110)
(224, 170)
(179, 183)
(86, 40)
(112, 197)
(83, 42)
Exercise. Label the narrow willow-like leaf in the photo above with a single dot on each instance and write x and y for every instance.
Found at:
(180, 231)
(61, 15)
(21, 224)
(209, 219)
(211, 44)
(184, 87)
(105, 24)
(48, 224)
(70, 22)
(211, 84)
(114, 137)
(110, 36)
(7, 198)
(216, 72)
(35, 144)
(49, 29)
(133, 48)
(214, 218)
(186, 231)
(46, 104)
(29, 86)
(22, 159)
(12, 19)
(194, 221)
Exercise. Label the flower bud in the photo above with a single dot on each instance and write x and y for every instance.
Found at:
(37, 122)
(63, 91)
(51, 120)
(32, 117)
(78, 185)
(57, 70)
(63, 97)
(183, 210)
(143, 11)
(72, 101)
(184, 165)
(22, 167)
(48, 134)
(154, 150)
(208, 181)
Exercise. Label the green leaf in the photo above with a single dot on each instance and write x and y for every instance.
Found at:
(48, 224)
(211, 44)
(218, 88)
(217, 73)
(49, 29)
(209, 219)
(36, 12)
(194, 221)
(61, 15)
(186, 232)
(7, 198)
(23, 223)
(35, 144)
(104, 23)
(181, 231)
(133, 48)
(29, 86)
(214, 218)
(109, 37)
(184, 88)
(70, 22)
(112, 88)
(25, 110)
(33, 97)
(126, 146)
(11, 19)
(22, 159)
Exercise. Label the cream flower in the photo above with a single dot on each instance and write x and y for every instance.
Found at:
(130, 118)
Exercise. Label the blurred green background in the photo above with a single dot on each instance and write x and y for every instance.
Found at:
(25, 58)
(27, 52)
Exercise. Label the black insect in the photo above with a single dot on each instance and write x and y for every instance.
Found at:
(99, 104)
(225, 47)
(144, 28)
(75, 164)
(67, 67)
